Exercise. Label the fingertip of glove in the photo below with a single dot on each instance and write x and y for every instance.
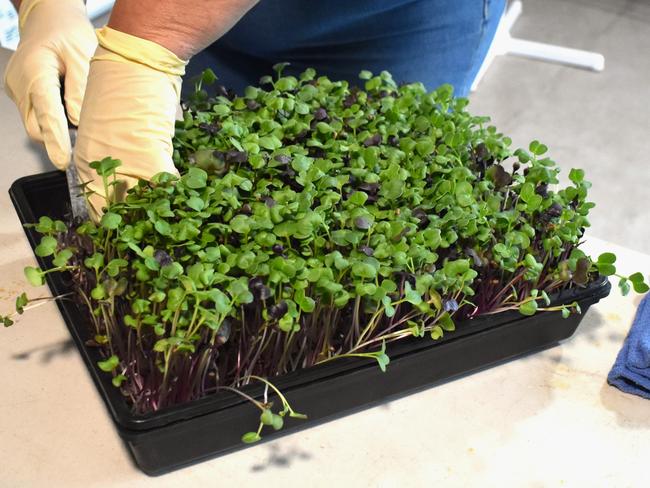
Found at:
(61, 163)
(73, 98)
(73, 113)
(59, 157)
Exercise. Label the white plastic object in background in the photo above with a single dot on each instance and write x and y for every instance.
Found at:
(8, 25)
(9, 19)
(504, 43)
(97, 8)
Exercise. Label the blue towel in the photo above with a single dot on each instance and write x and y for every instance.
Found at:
(631, 371)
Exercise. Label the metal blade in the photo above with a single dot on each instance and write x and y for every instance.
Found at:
(77, 199)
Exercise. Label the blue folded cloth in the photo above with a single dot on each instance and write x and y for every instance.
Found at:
(631, 371)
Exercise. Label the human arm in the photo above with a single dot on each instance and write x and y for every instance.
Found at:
(196, 23)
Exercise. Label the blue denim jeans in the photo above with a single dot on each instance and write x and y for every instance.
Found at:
(432, 41)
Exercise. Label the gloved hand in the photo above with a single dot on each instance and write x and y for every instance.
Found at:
(128, 112)
(56, 41)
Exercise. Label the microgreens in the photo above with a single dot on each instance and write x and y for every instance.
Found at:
(313, 221)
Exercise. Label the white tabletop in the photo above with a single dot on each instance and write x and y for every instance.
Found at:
(548, 419)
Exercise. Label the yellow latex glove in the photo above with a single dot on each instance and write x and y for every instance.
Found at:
(56, 41)
(128, 112)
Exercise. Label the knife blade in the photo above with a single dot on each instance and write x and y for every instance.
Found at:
(77, 198)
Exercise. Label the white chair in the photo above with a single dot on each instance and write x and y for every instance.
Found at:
(504, 43)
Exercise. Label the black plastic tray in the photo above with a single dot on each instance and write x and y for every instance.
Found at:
(185, 434)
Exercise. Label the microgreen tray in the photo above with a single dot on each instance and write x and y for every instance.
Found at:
(184, 434)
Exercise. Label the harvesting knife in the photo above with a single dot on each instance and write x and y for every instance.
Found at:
(77, 199)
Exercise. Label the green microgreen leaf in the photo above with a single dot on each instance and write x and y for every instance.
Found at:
(46, 247)
(21, 302)
(195, 178)
(607, 258)
(624, 286)
(250, 437)
(34, 276)
(528, 308)
(111, 220)
(109, 364)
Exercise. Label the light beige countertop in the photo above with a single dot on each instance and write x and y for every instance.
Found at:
(545, 420)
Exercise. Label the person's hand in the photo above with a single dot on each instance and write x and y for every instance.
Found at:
(128, 113)
(56, 41)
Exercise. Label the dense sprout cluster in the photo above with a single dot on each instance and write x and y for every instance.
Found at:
(311, 221)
